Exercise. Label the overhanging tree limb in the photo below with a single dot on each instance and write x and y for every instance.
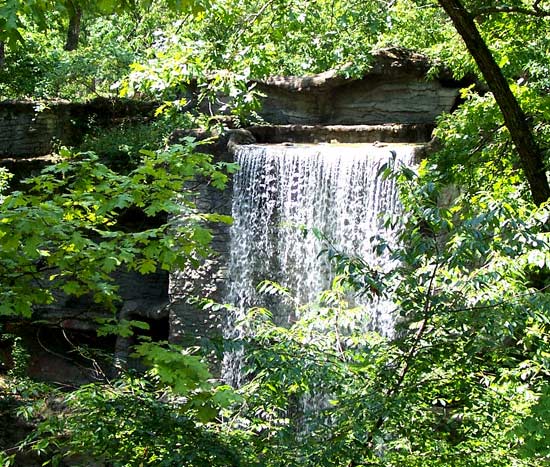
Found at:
(537, 12)
(514, 117)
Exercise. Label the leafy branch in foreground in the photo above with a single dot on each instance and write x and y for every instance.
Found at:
(63, 235)
(162, 418)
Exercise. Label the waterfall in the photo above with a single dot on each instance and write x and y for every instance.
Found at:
(282, 193)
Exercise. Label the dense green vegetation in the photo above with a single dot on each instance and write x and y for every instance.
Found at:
(467, 380)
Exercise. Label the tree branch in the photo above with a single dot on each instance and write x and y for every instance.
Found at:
(514, 118)
(250, 21)
(413, 350)
(505, 9)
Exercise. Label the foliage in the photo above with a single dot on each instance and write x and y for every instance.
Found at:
(477, 146)
(518, 41)
(217, 48)
(24, 69)
(138, 421)
(63, 235)
(280, 36)
(22, 403)
(15, 14)
(40, 68)
(4, 181)
(464, 382)
(234, 42)
(119, 147)
(219, 44)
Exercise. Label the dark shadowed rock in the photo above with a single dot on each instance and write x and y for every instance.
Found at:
(388, 133)
(31, 129)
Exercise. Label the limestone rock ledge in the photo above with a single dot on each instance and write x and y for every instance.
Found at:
(31, 129)
(396, 89)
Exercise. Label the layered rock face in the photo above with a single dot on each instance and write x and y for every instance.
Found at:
(395, 90)
(31, 129)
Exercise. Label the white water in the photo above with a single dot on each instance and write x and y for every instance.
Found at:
(283, 192)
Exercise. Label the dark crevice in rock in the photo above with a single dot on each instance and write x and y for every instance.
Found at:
(388, 133)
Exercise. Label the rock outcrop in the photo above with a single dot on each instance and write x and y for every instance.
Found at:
(32, 129)
(395, 90)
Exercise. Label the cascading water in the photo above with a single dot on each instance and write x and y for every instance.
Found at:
(281, 194)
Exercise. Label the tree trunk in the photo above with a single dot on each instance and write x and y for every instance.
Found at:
(514, 118)
(2, 54)
(73, 33)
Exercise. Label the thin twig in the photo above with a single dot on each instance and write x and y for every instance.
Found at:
(96, 367)
(412, 351)
(503, 302)
(251, 20)
(419, 334)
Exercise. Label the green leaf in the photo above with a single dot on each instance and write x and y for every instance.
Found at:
(147, 266)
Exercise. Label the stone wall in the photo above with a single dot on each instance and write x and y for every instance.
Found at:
(371, 101)
(387, 133)
(27, 131)
(31, 129)
(189, 323)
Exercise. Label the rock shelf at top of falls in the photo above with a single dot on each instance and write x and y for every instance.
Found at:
(388, 133)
